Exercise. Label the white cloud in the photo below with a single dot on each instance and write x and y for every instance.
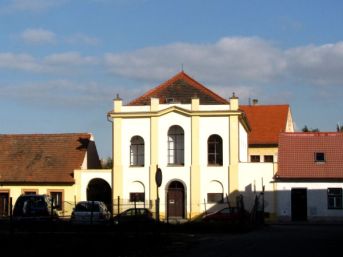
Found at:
(319, 65)
(230, 60)
(31, 5)
(60, 93)
(38, 36)
(55, 63)
(23, 62)
(69, 59)
(80, 38)
(248, 61)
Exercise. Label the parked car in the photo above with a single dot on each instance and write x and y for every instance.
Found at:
(34, 207)
(90, 212)
(134, 216)
(229, 215)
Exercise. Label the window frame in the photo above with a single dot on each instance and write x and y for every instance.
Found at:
(215, 197)
(255, 156)
(137, 152)
(176, 146)
(137, 197)
(319, 157)
(265, 158)
(334, 199)
(216, 143)
(57, 191)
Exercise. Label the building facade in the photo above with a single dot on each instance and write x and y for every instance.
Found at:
(196, 138)
(309, 180)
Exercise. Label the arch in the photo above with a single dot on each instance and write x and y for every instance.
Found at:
(137, 192)
(176, 200)
(176, 145)
(215, 192)
(215, 150)
(137, 151)
(99, 190)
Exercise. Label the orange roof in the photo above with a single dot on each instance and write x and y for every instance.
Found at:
(297, 155)
(42, 158)
(181, 88)
(266, 122)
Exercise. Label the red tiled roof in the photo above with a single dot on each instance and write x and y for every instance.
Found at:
(297, 155)
(266, 122)
(181, 88)
(41, 158)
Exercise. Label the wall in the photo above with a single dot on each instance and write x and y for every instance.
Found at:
(316, 201)
(252, 178)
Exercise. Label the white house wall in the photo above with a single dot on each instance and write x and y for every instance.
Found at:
(252, 178)
(207, 127)
(243, 144)
(130, 128)
(317, 205)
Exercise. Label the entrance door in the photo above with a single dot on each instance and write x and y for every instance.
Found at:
(176, 200)
(4, 203)
(299, 204)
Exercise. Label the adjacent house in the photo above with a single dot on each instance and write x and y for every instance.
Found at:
(45, 164)
(266, 122)
(310, 176)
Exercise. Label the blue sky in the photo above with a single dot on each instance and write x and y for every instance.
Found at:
(63, 61)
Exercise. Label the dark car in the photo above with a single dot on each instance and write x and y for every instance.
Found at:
(228, 215)
(34, 207)
(134, 216)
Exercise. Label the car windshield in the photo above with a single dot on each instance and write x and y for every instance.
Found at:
(87, 207)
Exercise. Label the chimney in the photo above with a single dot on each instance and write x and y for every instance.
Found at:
(254, 101)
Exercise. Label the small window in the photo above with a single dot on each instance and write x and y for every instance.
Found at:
(334, 198)
(170, 100)
(57, 197)
(319, 157)
(137, 197)
(255, 158)
(214, 197)
(268, 158)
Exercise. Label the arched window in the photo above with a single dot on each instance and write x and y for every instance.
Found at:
(215, 150)
(215, 192)
(175, 145)
(137, 151)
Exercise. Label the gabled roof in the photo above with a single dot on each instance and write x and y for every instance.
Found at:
(42, 158)
(297, 155)
(266, 122)
(181, 88)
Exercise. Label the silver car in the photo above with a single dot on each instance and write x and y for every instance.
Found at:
(90, 212)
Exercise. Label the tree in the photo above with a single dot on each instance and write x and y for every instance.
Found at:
(107, 163)
(306, 129)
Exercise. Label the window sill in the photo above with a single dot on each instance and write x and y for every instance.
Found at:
(176, 165)
(214, 165)
(136, 166)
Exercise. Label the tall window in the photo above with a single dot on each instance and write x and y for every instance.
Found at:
(57, 197)
(176, 145)
(334, 198)
(137, 151)
(215, 150)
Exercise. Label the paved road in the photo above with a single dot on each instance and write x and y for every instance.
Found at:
(272, 240)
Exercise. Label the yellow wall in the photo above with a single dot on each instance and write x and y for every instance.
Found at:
(69, 194)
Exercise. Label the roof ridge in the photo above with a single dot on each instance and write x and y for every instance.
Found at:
(186, 77)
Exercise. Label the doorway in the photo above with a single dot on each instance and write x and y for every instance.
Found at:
(99, 190)
(299, 204)
(4, 203)
(176, 200)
